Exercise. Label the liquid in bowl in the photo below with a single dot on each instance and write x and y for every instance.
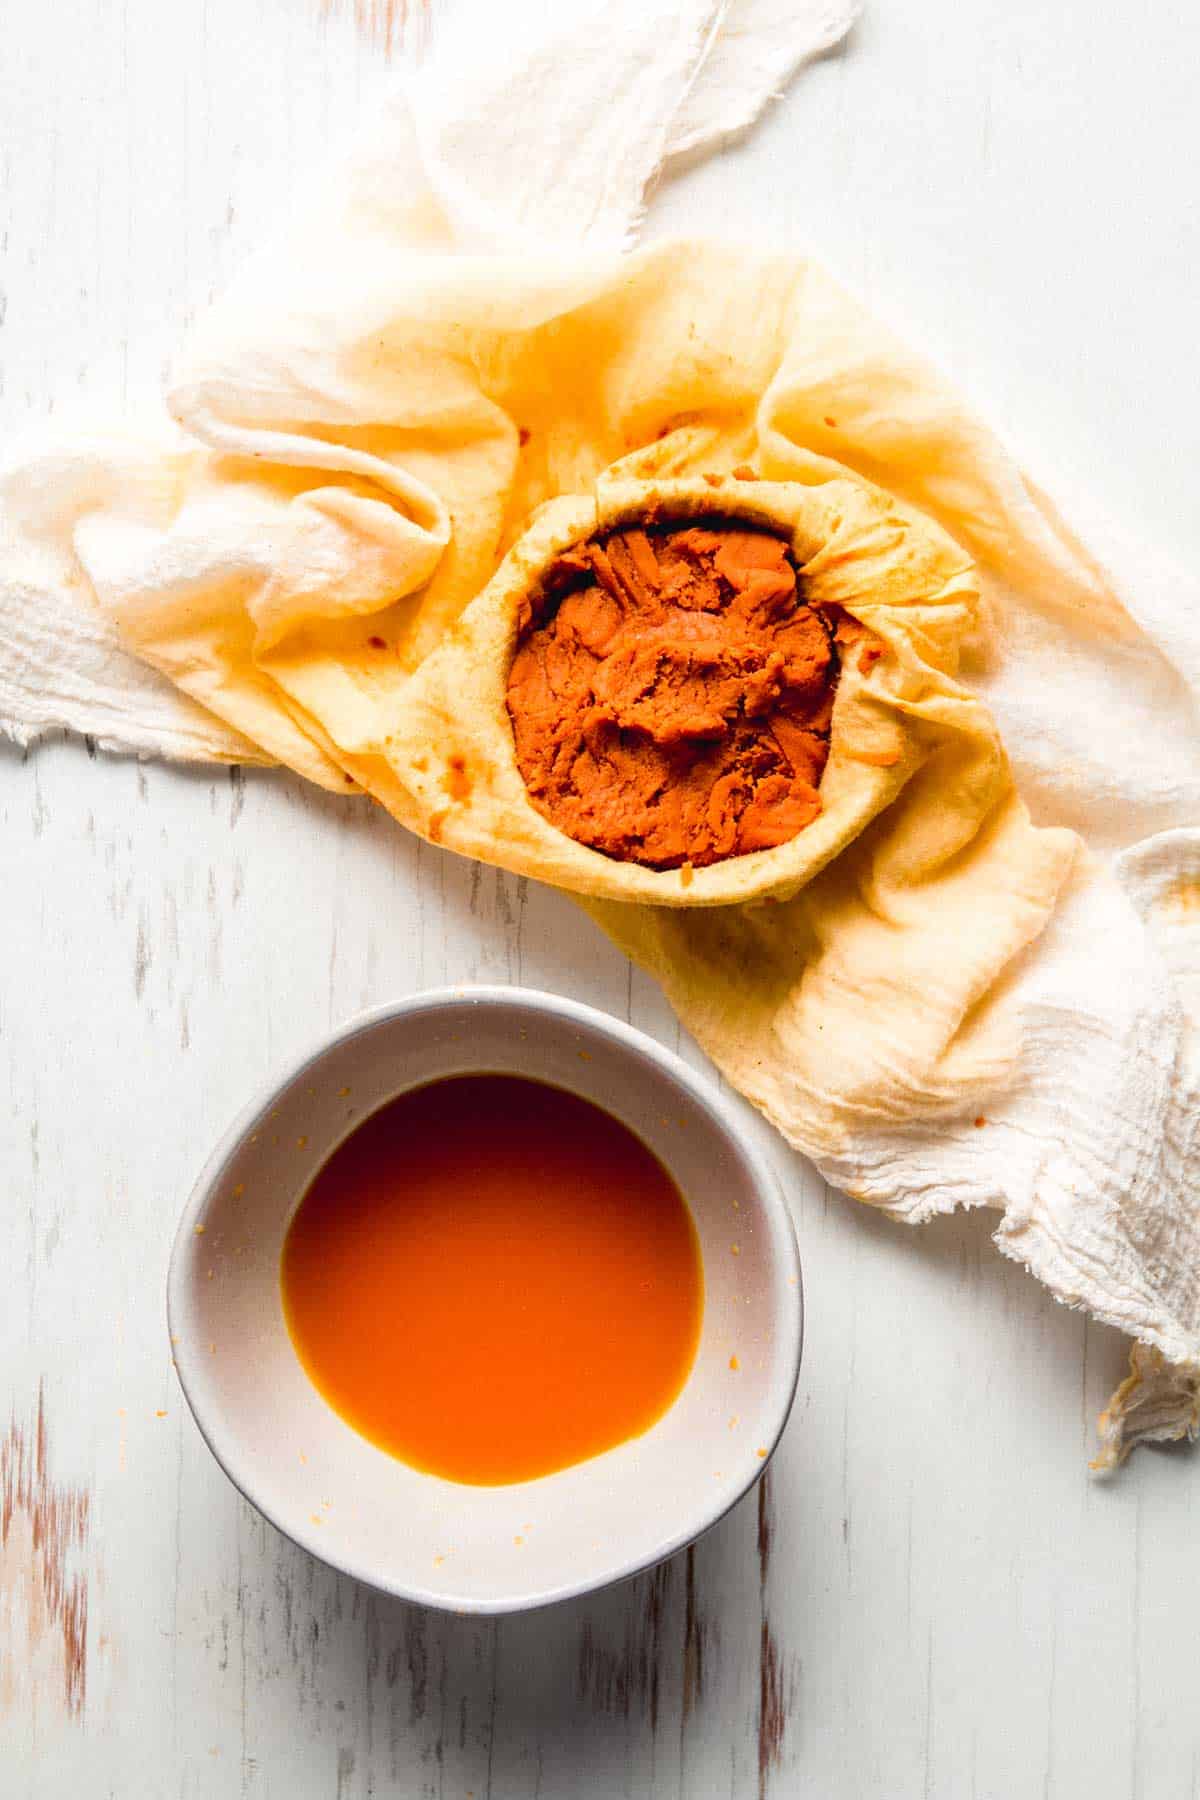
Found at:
(493, 1279)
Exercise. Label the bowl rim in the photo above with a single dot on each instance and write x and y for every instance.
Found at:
(224, 1444)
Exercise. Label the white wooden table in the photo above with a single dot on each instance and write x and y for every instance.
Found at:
(931, 1597)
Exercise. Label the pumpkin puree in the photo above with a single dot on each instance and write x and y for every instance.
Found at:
(671, 695)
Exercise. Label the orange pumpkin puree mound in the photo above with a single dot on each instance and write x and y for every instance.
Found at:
(671, 695)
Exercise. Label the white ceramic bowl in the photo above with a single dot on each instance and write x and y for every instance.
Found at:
(483, 1549)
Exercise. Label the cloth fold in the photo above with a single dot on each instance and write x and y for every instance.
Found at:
(447, 339)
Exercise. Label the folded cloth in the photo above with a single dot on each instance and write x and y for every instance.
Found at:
(451, 338)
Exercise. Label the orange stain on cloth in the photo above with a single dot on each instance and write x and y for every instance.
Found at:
(383, 22)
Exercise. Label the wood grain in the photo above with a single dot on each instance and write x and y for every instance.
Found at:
(43, 1587)
(932, 1599)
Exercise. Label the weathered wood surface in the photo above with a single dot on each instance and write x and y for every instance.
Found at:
(931, 1597)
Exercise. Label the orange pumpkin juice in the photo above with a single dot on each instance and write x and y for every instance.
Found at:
(492, 1279)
